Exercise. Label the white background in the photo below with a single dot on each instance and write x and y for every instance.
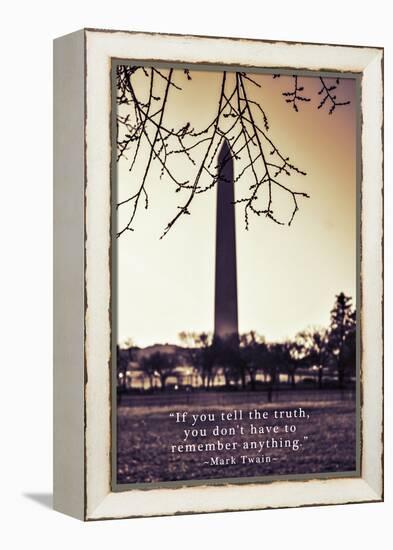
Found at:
(26, 274)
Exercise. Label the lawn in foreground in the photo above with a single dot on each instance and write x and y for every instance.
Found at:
(147, 437)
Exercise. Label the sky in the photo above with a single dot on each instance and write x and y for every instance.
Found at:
(287, 276)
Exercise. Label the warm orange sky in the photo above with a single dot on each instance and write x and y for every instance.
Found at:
(287, 276)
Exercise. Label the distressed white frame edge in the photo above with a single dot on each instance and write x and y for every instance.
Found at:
(101, 46)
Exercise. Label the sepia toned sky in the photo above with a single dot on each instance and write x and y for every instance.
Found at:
(287, 276)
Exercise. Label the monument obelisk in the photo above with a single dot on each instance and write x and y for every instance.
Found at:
(225, 310)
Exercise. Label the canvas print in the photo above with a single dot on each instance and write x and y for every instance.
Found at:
(235, 253)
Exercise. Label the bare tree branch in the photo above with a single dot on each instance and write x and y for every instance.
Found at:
(294, 96)
(329, 95)
(239, 119)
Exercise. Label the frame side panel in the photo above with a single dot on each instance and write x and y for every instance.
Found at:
(68, 242)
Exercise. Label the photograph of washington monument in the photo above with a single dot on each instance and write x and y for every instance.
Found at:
(235, 201)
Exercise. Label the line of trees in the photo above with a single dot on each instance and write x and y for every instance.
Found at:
(315, 353)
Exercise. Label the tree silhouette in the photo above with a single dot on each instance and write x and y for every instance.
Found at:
(124, 356)
(253, 353)
(240, 118)
(314, 349)
(342, 333)
(287, 354)
(159, 364)
(202, 354)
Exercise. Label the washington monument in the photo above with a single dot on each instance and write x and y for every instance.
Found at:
(225, 307)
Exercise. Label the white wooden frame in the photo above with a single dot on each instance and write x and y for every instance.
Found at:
(82, 437)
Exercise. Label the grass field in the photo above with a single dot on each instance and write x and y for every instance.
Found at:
(146, 435)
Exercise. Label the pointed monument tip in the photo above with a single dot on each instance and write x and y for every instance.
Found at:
(225, 148)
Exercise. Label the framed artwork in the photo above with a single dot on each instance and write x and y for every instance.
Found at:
(218, 274)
